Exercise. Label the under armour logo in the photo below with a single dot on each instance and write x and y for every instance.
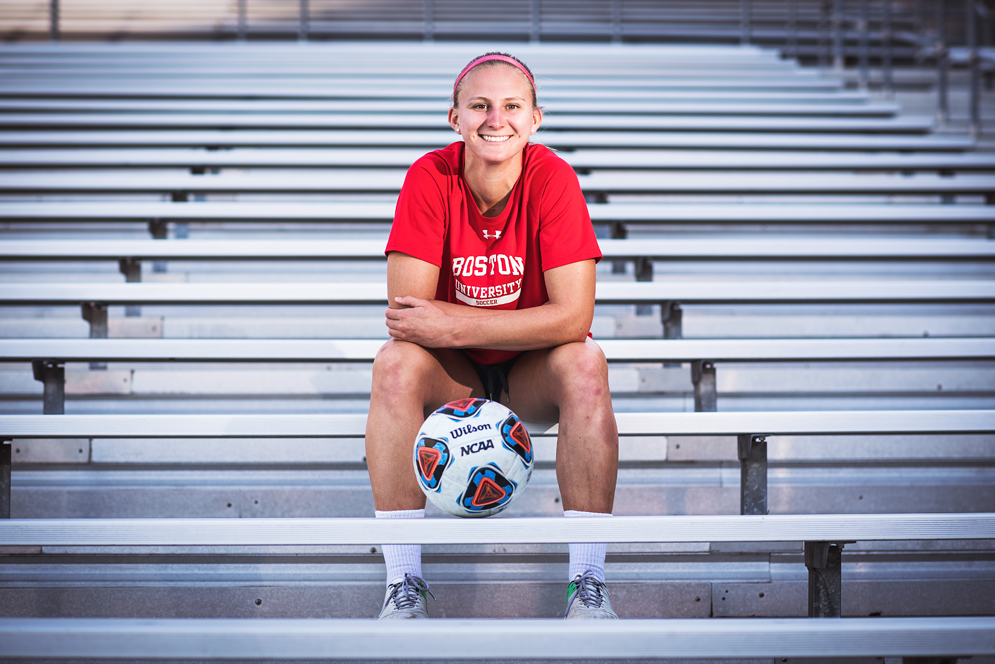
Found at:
(495, 235)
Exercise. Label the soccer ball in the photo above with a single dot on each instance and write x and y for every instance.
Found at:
(473, 457)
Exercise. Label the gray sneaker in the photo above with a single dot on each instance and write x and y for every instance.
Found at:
(587, 599)
(405, 600)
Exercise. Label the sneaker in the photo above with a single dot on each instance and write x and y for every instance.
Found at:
(405, 600)
(587, 599)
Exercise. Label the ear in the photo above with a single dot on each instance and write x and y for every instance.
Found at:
(536, 119)
(454, 119)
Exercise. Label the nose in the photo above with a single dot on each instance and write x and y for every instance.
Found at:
(495, 117)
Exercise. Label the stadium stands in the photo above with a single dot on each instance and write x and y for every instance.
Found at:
(848, 308)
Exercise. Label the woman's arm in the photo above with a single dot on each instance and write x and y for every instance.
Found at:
(414, 316)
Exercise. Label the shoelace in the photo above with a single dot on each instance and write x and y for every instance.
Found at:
(404, 593)
(590, 591)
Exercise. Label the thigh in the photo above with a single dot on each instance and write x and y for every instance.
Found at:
(541, 381)
(405, 373)
(455, 379)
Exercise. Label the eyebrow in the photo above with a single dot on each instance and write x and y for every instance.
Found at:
(505, 99)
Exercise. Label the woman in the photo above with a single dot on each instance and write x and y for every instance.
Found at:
(490, 280)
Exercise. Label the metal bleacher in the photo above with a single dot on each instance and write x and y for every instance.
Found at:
(797, 302)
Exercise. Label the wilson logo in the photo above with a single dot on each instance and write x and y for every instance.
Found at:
(473, 448)
(469, 428)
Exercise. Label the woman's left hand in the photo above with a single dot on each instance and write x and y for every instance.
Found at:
(421, 322)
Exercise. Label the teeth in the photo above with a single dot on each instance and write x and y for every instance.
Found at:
(495, 139)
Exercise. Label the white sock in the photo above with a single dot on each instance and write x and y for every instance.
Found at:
(401, 559)
(586, 556)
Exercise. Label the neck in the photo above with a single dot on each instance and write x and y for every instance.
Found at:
(491, 184)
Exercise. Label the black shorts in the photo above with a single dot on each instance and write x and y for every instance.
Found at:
(494, 377)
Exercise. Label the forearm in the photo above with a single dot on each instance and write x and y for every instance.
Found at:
(566, 316)
(523, 329)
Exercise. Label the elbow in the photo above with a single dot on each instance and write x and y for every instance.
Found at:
(575, 328)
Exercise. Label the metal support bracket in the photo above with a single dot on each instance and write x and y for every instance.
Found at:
(616, 9)
(863, 26)
(5, 479)
(823, 40)
(96, 315)
(535, 22)
(242, 24)
(792, 28)
(745, 22)
(753, 474)
(644, 272)
(703, 378)
(672, 317)
(53, 21)
(428, 31)
(618, 232)
(824, 563)
(887, 82)
(159, 230)
(942, 65)
(132, 271)
(839, 57)
(305, 22)
(53, 376)
(974, 69)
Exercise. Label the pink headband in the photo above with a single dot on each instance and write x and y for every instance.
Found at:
(488, 58)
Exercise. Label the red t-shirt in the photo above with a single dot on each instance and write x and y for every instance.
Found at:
(494, 262)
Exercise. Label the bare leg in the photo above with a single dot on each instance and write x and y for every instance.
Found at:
(569, 384)
(409, 382)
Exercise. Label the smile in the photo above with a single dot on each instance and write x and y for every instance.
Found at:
(494, 139)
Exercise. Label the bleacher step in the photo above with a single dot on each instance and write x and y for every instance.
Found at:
(677, 488)
(350, 639)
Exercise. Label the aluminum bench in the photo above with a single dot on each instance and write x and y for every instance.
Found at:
(349, 90)
(98, 77)
(620, 529)
(581, 160)
(130, 253)
(751, 429)
(384, 181)
(96, 297)
(869, 291)
(906, 125)
(563, 140)
(555, 108)
(315, 86)
(519, 640)
(48, 356)
(439, 51)
(582, 72)
(624, 213)
(677, 249)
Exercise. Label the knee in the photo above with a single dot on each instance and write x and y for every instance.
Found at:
(399, 367)
(581, 370)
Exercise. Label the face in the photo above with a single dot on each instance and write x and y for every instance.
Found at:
(495, 114)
